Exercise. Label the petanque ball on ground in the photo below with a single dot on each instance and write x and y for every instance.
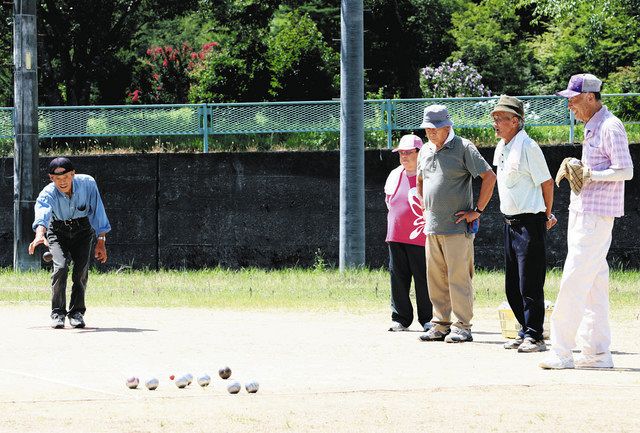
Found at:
(133, 382)
(204, 380)
(225, 372)
(234, 387)
(47, 256)
(189, 378)
(182, 382)
(252, 387)
(152, 384)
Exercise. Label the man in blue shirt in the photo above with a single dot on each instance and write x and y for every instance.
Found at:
(68, 214)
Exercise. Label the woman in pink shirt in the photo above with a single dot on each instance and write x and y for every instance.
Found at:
(406, 239)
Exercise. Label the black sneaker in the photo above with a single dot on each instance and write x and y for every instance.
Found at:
(76, 320)
(57, 321)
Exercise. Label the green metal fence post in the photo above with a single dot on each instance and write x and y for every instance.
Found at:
(389, 122)
(204, 116)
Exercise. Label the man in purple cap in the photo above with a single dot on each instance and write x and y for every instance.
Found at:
(446, 166)
(582, 307)
(68, 214)
(406, 239)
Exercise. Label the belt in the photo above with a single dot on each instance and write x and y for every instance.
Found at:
(70, 224)
(524, 218)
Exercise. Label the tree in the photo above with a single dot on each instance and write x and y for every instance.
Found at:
(239, 71)
(488, 36)
(302, 65)
(403, 36)
(86, 43)
(597, 37)
(6, 48)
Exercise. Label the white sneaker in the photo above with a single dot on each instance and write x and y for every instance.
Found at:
(555, 362)
(397, 327)
(600, 360)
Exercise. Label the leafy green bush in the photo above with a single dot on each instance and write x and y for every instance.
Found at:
(303, 67)
(624, 80)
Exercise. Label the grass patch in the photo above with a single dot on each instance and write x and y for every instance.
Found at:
(290, 289)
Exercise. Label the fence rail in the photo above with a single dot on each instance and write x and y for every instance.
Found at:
(290, 117)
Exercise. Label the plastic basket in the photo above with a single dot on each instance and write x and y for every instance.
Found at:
(510, 326)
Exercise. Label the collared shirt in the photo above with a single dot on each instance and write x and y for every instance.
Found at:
(446, 183)
(605, 146)
(520, 190)
(85, 201)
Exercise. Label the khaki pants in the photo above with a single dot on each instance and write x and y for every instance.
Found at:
(449, 277)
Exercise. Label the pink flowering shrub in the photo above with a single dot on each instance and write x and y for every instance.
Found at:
(163, 76)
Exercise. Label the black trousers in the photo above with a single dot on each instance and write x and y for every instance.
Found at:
(70, 241)
(525, 270)
(408, 261)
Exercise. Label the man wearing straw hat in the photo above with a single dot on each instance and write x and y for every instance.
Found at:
(525, 188)
(446, 166)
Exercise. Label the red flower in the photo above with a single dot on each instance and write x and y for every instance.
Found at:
(135, 95)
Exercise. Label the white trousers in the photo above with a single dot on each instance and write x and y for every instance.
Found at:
(582, 307)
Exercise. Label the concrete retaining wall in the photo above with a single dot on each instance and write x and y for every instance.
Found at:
(272, 210)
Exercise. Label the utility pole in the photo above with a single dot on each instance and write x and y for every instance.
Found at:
(352, 241)
(25, 123)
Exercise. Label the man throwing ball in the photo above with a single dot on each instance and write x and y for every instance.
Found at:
(68, 214)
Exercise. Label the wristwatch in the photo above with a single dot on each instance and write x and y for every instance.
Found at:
(102, 238)
(475, 209)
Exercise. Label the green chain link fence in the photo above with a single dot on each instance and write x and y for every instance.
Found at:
(291, 117)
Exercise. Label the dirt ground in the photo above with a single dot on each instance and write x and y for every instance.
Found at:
(318, 372)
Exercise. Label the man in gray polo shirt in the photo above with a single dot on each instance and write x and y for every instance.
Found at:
(446, 166)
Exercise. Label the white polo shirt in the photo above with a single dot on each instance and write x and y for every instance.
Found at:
(520, 190)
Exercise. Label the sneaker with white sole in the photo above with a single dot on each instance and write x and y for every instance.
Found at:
(530, 345)
(513, 344)
(76, 320)
(434, 335)
(397, 327)
(600, 360)
(555, 362)
(459, 335)
(57, 321)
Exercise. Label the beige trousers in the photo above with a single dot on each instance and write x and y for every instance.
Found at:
(449, 276)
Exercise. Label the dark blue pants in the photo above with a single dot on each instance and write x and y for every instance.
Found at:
(408, 261)
(70, 243)
(525, 270)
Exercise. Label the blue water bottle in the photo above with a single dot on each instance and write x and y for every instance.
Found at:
(473, 226)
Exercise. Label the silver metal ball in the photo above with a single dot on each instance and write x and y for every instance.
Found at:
(152, 384)
(204, 380)
(252, 387)
(133, 382)
(182, 382)
(234, 387)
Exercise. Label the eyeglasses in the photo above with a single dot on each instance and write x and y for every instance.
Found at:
(498, 119)
(407, 152)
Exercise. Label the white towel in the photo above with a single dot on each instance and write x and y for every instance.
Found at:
(393, 180)
(513, 161)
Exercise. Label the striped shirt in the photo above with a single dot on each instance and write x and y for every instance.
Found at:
(605, 146)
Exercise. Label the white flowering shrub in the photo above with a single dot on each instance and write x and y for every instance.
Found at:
(451, 80)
